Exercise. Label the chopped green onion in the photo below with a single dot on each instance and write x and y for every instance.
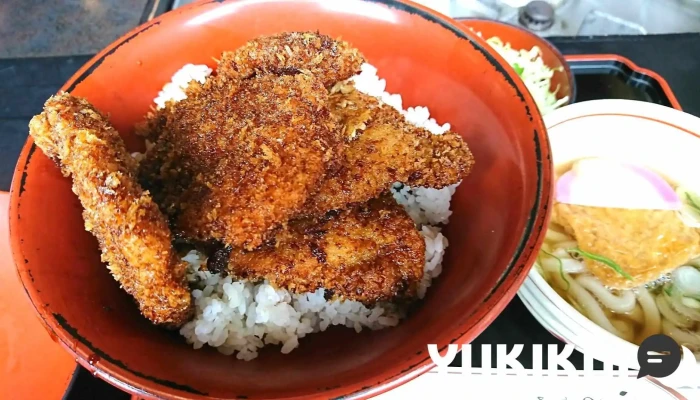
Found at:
(539, 269)
(610, 263)
(690, 302)
(692, 202)
(518, 69)
(561, 268)
(668, 290)
(686, 279)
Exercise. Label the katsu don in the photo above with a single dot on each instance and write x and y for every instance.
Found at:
(132, 232)
(369, 253)
(262, 209)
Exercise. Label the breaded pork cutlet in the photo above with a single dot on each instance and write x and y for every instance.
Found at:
(244, 151)
(287, 53)
(319, 55)
(383, 148)
(132, 232)
(239, 159)
(369, 253)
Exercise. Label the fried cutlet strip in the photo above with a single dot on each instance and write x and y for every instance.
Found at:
(370, 253)
(645, 243)
(386, 149)
(322, 56)
(239, 158)
(132, 232)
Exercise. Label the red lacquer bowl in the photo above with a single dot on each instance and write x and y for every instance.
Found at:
(496, 228)
(520, 38)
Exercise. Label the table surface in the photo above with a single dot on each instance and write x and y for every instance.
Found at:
(31, 28)
(27, 83)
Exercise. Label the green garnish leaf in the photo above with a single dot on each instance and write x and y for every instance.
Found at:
(610, 263)
(561, 268)
(692, 202)
(668, 290)
(518, 69)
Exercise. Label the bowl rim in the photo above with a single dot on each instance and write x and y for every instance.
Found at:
(543, 42)
(507, 284)
(545, 294)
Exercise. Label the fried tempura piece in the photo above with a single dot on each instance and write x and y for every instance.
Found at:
(644, 243)
(319, 55)
(132, 232)
(239, 158)
(384, 148)
(370, 253)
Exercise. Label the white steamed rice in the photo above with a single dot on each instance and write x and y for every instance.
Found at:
(241, 317)
(175, 89)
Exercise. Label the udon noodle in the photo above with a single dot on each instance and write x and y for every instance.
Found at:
(670, 304)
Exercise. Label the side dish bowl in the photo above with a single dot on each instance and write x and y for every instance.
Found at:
(562, 82)
(639, 133)
(498, 221)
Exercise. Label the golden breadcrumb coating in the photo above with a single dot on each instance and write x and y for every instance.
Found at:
(132, 232)
(383, 148)
(239, 158)
(369, 253)
(328, 59)
(154, 123)
(246, 149)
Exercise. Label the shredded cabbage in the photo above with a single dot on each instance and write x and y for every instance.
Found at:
(532, 70)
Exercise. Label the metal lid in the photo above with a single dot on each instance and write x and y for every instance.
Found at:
(537, 15)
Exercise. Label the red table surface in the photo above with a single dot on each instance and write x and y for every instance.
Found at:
(32, 365)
